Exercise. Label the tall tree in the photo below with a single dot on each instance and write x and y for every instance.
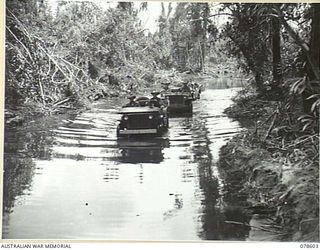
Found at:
(248, 33)
(162, 39)
(276, 57)
(311, 51)
(189, 29)
(314, 75)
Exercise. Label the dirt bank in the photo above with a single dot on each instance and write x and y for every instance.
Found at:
(276, 168)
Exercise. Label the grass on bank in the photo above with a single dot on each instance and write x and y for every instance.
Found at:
(278, 160)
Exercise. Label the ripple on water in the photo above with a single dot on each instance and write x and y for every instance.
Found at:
(93, 186)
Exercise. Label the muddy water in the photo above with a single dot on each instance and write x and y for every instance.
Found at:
(70, 178)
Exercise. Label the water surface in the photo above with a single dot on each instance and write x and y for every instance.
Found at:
(70, 178)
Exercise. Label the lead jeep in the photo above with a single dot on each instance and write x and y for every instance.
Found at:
(143, 120)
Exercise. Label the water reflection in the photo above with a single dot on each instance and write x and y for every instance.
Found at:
(181, 114)
(16, 180)
(77, 177)
(215, 210)
(224, 82)
(142, 150)
(21, 146)
(112, 174)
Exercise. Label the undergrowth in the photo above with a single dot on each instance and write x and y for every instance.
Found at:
(278, 156)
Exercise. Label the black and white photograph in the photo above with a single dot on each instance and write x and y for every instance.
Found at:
(161, 121)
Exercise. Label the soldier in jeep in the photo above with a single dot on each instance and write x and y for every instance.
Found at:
(132, 102)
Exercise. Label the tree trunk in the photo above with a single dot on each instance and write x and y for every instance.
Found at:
(315, 37)
(299, 41)
(276, 59)
(258, 75)
(259, 82)
(202, 54)
(206, 13)
(315, 56)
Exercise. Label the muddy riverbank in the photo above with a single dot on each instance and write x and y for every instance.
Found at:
(274, 170)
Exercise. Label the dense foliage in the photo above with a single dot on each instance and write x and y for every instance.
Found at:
(81, 51)
(278, 44)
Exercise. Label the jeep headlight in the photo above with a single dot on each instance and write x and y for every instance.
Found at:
(125, 118)
(150, 117)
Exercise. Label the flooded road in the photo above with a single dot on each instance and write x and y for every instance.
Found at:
(72, 179)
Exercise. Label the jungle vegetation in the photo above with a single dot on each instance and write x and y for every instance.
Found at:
(67, 57)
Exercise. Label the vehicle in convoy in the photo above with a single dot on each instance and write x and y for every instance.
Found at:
(180, 102)
(143, 119)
